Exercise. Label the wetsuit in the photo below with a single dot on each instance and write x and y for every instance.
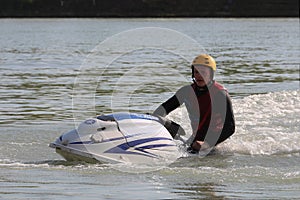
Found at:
(209, 108)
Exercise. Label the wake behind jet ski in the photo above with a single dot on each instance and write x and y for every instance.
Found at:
(119, 138)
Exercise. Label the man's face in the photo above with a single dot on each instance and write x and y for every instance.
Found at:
(202, 75)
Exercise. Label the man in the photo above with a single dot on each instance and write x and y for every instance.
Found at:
(208, 105)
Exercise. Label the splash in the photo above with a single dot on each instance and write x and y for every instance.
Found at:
(267, 124)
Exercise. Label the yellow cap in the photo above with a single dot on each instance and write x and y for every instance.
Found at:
(206, 60)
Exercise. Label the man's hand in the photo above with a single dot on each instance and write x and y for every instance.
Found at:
(200, 145)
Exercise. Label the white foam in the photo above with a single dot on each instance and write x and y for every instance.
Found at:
(266, 124)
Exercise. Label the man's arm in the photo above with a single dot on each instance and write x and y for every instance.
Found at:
(168, 106)
(229, 124)
(174, 102)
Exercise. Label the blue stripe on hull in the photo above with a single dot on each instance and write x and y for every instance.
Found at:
(123, 148)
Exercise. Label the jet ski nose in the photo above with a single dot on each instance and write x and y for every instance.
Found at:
(68, 137)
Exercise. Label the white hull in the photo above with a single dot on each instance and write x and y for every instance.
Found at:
(118, 138)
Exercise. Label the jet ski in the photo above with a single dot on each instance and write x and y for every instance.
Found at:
(121, 138)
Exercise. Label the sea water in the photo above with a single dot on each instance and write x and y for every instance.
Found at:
(52, 76)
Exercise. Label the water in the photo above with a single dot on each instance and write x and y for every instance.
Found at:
(52, 74)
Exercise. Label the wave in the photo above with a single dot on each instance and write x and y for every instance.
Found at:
(52, 164)
(267, 124)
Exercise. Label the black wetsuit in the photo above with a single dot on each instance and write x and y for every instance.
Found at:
(209, 109)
